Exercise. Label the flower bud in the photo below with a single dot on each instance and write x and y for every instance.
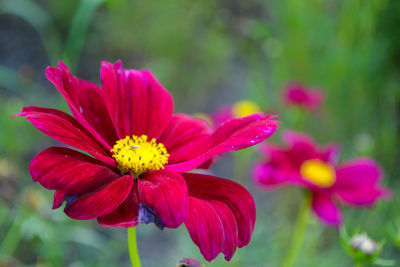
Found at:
(363, 243)
(360, 247)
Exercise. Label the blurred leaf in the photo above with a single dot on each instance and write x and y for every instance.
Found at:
(78, 31)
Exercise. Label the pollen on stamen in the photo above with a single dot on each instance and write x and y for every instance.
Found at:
(136, 155)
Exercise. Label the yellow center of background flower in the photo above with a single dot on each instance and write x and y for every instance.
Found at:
(136, 155)
(245, 108)
(205, 117)
(318, 172)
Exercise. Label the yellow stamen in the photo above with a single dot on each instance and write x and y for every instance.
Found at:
(245, 108)
(318, 172)
(137, 155)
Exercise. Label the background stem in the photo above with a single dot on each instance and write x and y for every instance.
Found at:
(299, 230)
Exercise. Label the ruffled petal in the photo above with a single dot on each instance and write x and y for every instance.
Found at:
(233, 135)
(326, 209)
(66, 129)
(126, 214)
(235, 196)
(229, 226)
(205, 228)
(70, 171)
(165, 194)
(137, 102)
(184, 136)
(86, 104)
(100, 202)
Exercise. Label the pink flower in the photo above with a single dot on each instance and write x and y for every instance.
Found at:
(240, 109)
(139, 153)
(303, 163)
(299, 95)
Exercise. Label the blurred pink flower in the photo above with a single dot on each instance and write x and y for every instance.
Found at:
(299, 95)
(240, 109)
(221, 115)
(303, 163)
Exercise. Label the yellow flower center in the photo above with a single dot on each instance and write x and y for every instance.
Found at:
(245, 108)
(137, 155)
(318, 172)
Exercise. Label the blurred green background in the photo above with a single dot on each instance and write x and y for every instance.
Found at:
(206, 53)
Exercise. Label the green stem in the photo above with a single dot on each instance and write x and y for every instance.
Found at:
(299, 230)
(358, 264)
(133, 252)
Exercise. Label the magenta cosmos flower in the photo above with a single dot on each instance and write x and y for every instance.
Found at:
(299, 95)
(303, 163)
(139, 155)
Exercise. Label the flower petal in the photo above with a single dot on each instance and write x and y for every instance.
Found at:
(331, 154)
(235, 196)
(357, 182)
(86, 103)
(165, 194)
(137, 102)
(183, 136)
(362, 195)
(301, 146)
(205, 228)
(324, 207)
(221, 115)
(58, 199)
(268, 176)
(66, 129)
(125, 215)
(70, 171)
(358, 172)
(229, 226)
(101, 202)
(233, 135)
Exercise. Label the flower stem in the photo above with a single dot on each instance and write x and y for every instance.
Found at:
(299, 230)
(358, 264)
(133, 252)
